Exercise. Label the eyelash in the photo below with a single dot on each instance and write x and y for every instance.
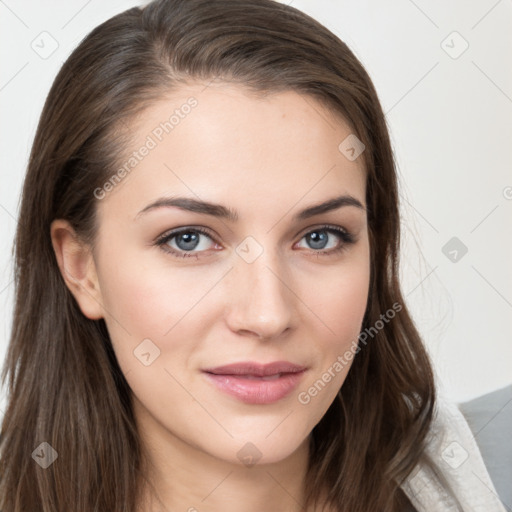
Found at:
(346, 239)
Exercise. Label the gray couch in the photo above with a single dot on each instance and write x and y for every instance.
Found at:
(490, 420)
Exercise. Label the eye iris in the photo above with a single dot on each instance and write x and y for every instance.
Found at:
(318, 239)
(190, 240)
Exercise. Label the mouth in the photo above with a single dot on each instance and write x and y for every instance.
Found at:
(255, 383)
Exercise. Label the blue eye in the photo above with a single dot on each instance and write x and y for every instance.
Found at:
(188, 242)
(183, 242)
(318, 239)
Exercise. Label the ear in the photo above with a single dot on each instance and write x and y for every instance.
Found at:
(77, 266)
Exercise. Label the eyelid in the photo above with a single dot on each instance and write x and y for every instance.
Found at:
(319, 227)
(173, 232)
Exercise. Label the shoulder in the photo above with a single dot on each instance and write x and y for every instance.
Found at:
(453, 470)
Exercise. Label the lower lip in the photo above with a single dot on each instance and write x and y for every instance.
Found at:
(256, 391)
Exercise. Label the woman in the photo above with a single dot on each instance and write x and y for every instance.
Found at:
(208, 313)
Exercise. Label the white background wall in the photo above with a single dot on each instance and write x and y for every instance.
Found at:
(449, 113)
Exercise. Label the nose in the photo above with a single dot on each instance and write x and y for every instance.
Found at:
(262, 302)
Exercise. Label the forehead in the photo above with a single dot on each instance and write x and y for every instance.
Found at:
(222, 142)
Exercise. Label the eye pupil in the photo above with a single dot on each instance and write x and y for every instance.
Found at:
(318, 239)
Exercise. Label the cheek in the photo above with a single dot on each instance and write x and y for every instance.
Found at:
(345, 305)
(147, 302)
(339, 305)
(340, 298)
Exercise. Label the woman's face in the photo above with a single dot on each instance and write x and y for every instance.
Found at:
(254, 278)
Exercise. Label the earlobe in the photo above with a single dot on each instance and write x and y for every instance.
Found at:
(77, 267)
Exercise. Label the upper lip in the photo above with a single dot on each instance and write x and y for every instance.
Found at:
(256, 369)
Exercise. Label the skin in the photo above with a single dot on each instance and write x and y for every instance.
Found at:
(267, 158)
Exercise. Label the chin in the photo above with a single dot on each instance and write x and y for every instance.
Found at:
(254, 450)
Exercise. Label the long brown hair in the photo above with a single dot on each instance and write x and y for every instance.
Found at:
(64, 384)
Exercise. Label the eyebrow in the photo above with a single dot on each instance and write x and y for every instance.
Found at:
(223, 212)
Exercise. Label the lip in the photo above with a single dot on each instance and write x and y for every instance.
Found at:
(256, 383)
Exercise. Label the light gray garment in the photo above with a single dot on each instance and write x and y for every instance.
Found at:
(456, 455)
